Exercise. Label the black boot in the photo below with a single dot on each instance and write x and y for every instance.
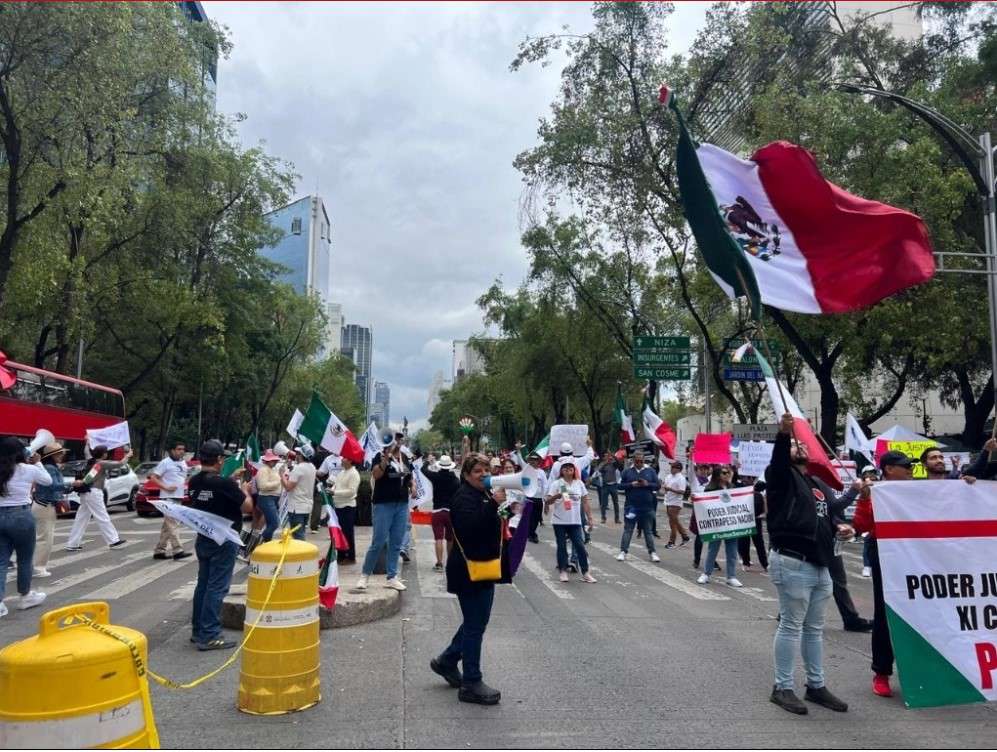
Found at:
(450, 673)
(787, 700)
(480, 693)
(859, 625)
(822, 696)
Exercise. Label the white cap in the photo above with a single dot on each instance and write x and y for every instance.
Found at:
(566, 448)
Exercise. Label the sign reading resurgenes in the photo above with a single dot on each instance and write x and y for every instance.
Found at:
(937, 540)
(727, 513)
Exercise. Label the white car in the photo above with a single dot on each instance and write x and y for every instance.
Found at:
(120, 486)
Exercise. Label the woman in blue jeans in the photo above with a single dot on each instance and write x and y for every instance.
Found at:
(569, 499)
(721, 479)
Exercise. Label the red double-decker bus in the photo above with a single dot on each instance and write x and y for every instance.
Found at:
(65, 406)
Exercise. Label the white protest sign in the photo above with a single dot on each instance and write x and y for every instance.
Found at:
(936, 543)
(576, 435)
(295, 424)
(112, 437)
(754, 457)
(726, 513)
(423, 488)
(207, 524)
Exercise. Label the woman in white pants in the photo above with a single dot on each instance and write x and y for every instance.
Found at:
(92, 501)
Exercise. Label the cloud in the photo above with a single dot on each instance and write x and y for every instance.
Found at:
(405, 119)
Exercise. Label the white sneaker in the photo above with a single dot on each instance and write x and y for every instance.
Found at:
(621, 556)
(564, 576)
(32, 599)
(734, 582)
(39, 572)
(655, 558)
(588, 578)
(703, 579)
(395, 584)
(867, 571)
(3, 609)
(362, 582)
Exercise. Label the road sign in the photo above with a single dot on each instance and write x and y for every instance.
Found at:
(755, 431)
(661, 358)
(646, 342)
(743, 374)
(749, 360)
(662, 374)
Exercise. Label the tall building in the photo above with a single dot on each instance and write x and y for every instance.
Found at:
(436, 388)
(360, 341)
(467, 360)
(193, 11)
(334, 314)
(305, 252)
(381, 404)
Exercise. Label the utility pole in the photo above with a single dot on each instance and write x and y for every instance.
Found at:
(704, 371)
(79, 360)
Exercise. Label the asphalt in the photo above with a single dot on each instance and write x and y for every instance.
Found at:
(643, 658)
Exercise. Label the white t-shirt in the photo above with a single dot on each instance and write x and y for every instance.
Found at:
(567, 511)
(19, 486)
(333, 465)
(173, 473)
(674, 486)
(300, 499)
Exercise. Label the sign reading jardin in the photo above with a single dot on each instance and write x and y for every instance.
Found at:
(663, 358)
(727, 513)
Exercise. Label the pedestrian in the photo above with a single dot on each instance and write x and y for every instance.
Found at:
(535, 461)
(869, 473)
(721, 480)
(327, 471)
(210, 492)
(608, 471)
(346, 484)
(300, 486)
(802, 538)
(170, 476)
(91, 496)
(744, 542)
(17, 523)
(268, 488)
(44, 509)
(567, 499)
(701, 476)
(390, 475)
(850, 618)
(473, 568)
(445, 482)
(640, 484)
(984, 467)
(933, 462)
(675, 487)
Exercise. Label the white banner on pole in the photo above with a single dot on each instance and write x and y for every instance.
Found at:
(112, 437)
(295, 425)
(754, 457)
(210, 525)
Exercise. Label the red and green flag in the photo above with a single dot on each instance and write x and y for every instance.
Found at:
(623, 422)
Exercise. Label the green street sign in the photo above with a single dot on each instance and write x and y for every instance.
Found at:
(661, 358)
(648, 342)
(662, 374)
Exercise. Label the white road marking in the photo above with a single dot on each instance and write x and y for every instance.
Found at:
(71, 559)
(664, 576)
(124, 533)
(184, 592)
(757, 593)
(543, 574)
(130, 583)
(88, 574)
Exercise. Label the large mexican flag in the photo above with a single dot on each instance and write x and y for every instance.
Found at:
(937, 544)
(772, 228)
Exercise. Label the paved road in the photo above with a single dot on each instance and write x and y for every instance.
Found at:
(645, 658)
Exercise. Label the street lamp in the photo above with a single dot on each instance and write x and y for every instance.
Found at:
(977, 156)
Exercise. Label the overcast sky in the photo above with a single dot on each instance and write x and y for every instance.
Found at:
(405, 119)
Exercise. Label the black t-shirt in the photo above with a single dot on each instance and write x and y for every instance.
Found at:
(393, 485)
(210, 492)
(821, 549)
(445, 485)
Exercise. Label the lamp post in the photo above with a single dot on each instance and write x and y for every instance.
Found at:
(977, 155)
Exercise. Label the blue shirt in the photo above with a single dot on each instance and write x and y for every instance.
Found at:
(640, 497)
(49, 495)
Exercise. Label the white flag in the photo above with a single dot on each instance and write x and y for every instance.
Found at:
(111, 437)
(855, 440)
(207, 524)
(371, 443)
(423, 488)
(294, 426)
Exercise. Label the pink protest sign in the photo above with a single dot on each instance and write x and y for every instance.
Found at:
(712, 448)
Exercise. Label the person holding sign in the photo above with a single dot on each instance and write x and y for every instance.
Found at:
(802, 539)
(568, 499)
(722, 479)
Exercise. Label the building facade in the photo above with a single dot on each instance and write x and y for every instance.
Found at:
(380, 406)
(436, 387)
(334, 315)
(359, 340)
(467, 360)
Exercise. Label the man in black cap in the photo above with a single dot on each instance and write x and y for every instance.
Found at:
(209, 492)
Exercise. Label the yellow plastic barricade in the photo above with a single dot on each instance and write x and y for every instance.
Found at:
(72, 687)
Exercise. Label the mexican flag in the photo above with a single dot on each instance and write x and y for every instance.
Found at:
(322, 428)
(623, 422)
(328, 579)
(336, 534)
(658, 431)
(936, 543)
(772, 228)
(543, 448)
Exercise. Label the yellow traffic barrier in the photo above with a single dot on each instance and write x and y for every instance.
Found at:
(70, 686)
(280, 660)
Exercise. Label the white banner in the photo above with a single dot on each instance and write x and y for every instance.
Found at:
(754, 457)
(576, 435)
(423, 488)
(111, 437)
(727, 513)
(936, 541)
(295, 425)
(207, 524)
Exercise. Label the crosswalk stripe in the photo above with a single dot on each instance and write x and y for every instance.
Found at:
(432, 584)
(88, 574)
(75, 557)
(665, 577)
(132, 582)
(596, 571)
(543, 574)
(758, 594)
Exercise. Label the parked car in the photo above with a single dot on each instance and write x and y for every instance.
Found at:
(148, 491)
(143, 470)
(120, 487)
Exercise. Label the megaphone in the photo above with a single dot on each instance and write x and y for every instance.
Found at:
(43, 437)
(280, 449)
(306, 449)
(525, 481)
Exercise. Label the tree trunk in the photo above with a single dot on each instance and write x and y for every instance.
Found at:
(975, 411)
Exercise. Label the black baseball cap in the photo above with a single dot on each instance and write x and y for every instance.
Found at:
(210, 450)
(897, 459)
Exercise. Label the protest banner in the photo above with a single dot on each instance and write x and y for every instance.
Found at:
(576, 435)
(712, 448)
(912, 449)
(727, 513)
(112, 436)
(753, 457)
(936, 546)
(847, 471)
(213, 526)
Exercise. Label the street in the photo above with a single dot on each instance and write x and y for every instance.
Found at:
(644, 658)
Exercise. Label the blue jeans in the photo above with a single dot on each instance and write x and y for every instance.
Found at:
(476, 608)
(804, 590)
(866, 545)
(214, 575)
(390, 520)
(299, 520)
(730, 554)
(561, 535)
(644, 518)
(605, 491)
(17, 534)
(268, 505)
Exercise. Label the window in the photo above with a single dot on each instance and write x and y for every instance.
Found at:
(296, 226)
